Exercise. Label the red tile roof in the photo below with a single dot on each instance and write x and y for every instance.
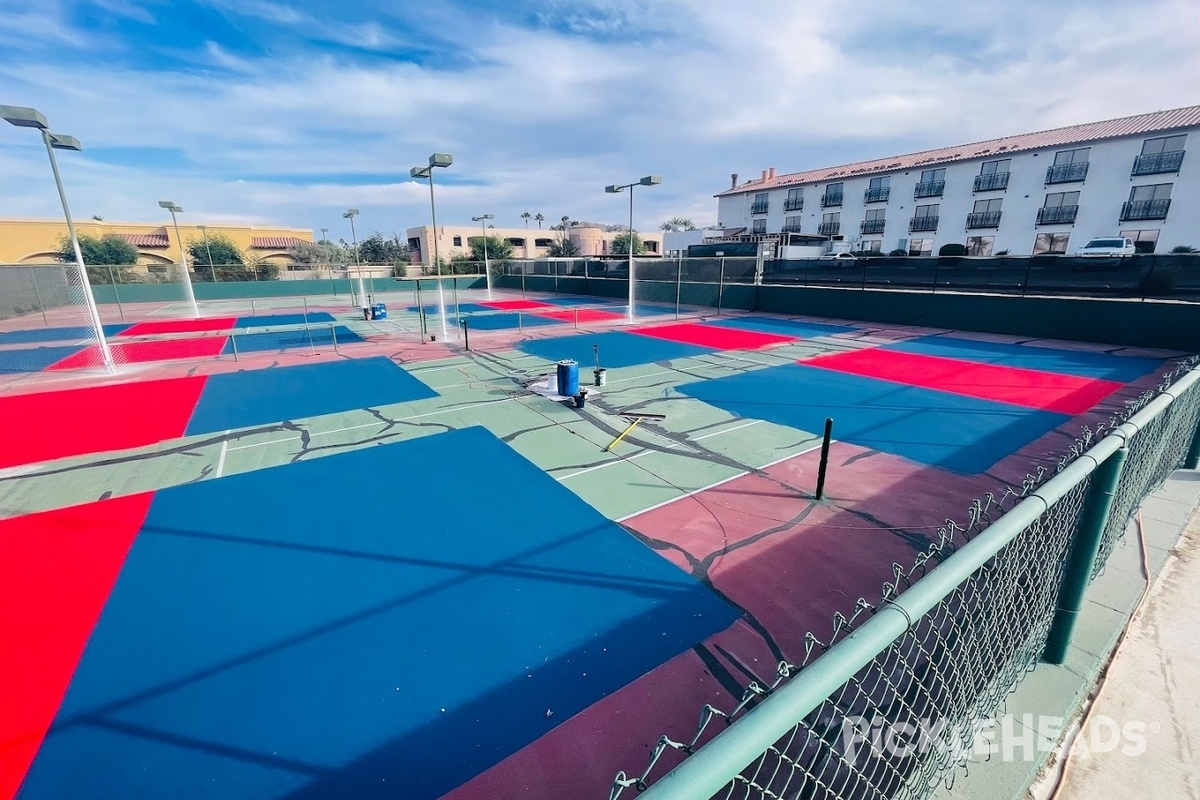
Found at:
(276, 242)
(1074, 134)
(146, 239)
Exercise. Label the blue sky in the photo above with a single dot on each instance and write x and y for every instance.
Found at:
(288, 113)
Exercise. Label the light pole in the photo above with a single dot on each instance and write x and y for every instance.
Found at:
(187, 279)
(325, 248)
(350, 214)
(207, 249)
(436, 160)
(486, 266)
(32, 118)
(649, 180)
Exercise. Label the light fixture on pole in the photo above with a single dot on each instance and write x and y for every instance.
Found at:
(486, 265)
(649, 180)
(350, 214)
(23, 117)
(183, 265)
(436, 160)
(207, 249)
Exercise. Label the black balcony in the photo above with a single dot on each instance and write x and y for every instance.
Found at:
(991, 182)
(1158, 162)
(1056, 215)
(828, 200)
(1145, 209)
(877, 195)
(760, 207)
(983, 219)
(829, 228)
(793, 204)
(871, 226)
(930, 189)
(917, 224)
(1067, 173)
(791, 228)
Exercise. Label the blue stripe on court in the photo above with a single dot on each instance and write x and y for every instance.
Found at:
(67, 334)
(267, 341)
(617, 349)
(957, 433)
(506, 320)
(34, 359)
(463, 308)
(257, 397)
(268, 320)
(783, 327)
(359, 626)
(1066, 362)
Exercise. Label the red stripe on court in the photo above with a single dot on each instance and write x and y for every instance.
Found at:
(1048, 391)
(516, 305)
(205, 324)
(141, 352)
(582, 315)
(57, 569)
(50, 425)
(714, 336)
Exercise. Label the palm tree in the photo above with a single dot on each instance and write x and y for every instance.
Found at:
(527, 216)
(539, 219)
(678, 224)
(565, 222)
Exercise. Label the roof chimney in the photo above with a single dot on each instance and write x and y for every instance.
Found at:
(771, 174)
(733, 181)
(764, 176)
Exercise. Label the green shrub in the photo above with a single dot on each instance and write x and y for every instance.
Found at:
(899, 253)
(952, 249)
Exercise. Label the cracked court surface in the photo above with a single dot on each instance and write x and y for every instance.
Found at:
(461, 592)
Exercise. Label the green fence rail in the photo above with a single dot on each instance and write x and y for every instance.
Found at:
(890, 705)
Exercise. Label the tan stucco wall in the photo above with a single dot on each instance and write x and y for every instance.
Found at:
(591, 241)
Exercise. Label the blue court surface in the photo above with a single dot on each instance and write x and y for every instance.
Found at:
(269, 341)
(267, 320)
(783, 327)
(34, 359)
(506, 320)
(67, 334)
(574, 301)
(463, 308)
(617, 349)
(957, 433)
(258, 397)
(263, 642)
(1122, 369)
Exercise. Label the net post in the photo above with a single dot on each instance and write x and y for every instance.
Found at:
(1081, 562)
(720, 285)
(37, 293)
(116, 294)
(824, 458)
(466, 335)
(333, 335)
(520, 330)
(576, 319)
(233, 343)
(678, 283)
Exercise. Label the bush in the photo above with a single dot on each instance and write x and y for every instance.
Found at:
(1184, 249)
(952, 249)
(899, 253)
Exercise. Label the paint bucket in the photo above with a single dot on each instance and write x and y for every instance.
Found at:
(568, 378)
(581, 398)
(601, 376)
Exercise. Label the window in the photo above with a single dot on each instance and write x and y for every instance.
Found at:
(795, 200)
(876, 214)
(414, 243)
(872, 246)
(1142, 194)
(980, 245)
(986, 214)
(832, 218)
(831, 224)
(1058, 208)
(1164, 154)
(791, 224)
(932, 184)
(1059, 199)
(988, 206)
(458, 241)
(1050, 243)
(1164, 144)
(762, 203)
(833, 195)
(1069, 166)
(542, 242)
(993, 175)
(920, 247)
(995, 167)
(758, 226)
(1079, 156)
(1144, 241)
(874, 222)
(878, 190)
(927, 211)
(932, 176)
(925, 218)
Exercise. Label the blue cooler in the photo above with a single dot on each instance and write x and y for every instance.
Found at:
(379, 311)
(568, 378)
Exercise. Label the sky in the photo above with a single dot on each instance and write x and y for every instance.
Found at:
(258, 111)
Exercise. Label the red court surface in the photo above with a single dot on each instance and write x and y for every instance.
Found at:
(57, 569)
(1067, 394)
(712, 336)
(517, 305)
(206, 324)
(142, 352)
(582, 315)
(96, 419)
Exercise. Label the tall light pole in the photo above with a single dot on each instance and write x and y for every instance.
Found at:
(207, 249)
(325, 247)
(482, 220)
(649, 180)
(32, 118)
(436, 160)
(350, 214)
(187, 279)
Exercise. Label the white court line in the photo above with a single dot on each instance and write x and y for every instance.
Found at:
(727, 430)
(221, 458)
(648, 452)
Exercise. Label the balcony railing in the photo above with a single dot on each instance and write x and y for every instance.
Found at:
(983, 219)
(1158, 162)
(1145, 209)
(760, 207)
(829, 228)
(1067, 173)
(923, 224)
(871, 226)
(877, 195)
(992, 181)
(791, 228)
(1050, 215)
(828, 200)
(930, 189)
(793, 204)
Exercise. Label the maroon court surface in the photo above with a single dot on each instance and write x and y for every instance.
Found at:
(203, 325)
(516, 305)
(145, 351)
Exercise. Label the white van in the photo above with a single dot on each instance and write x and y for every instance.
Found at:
(1108, 246)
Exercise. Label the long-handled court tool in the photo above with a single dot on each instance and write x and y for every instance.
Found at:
(635, 418)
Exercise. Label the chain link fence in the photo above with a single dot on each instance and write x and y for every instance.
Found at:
(892, 711)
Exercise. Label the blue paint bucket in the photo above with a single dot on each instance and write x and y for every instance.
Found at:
(568, 378)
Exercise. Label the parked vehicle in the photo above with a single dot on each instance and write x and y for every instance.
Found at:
(839, 258)
(1109, 246)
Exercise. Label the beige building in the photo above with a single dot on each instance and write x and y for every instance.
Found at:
(36, 241)
(455, 240)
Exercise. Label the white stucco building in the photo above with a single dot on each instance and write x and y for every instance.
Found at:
(453, 240)
(1032, 193)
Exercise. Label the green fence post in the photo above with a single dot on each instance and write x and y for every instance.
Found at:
(1193, 454)
(1084, 549)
